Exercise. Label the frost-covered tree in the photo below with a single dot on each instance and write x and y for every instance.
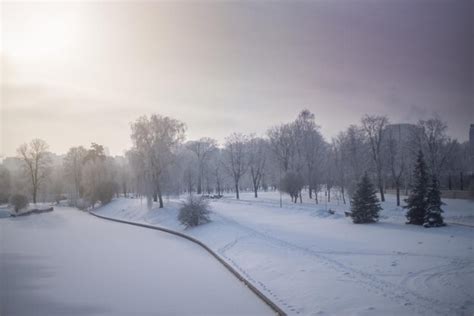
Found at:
(310, 149)
(98, 176)
(433, 217)
(435, 143)
(340, 166)
(417, 200)
(257, 158)
(397, 156)
(18, 201)
(355, 156)
(235, 157)
(5, 184)
(203, 149)
(73, 164)
(374, 127)
(156, 139)
(365, 206)
(292, 183)
(283, 145)
(36, 164)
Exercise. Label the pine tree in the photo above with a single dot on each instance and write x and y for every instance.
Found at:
(365, 205)
(417, 202)
(433, 217)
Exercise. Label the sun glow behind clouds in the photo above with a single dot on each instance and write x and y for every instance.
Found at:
(45, 32)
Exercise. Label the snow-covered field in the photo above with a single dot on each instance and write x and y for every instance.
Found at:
(68, 262)
(312, 263)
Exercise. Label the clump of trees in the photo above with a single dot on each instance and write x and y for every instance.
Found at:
(194, 211)
(292, 157)
(365, 206)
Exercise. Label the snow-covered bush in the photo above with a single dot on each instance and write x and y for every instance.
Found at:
(18, 201)
(194, 211)
(292, 183)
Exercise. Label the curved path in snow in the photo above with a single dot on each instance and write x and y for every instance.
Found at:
(69, 263)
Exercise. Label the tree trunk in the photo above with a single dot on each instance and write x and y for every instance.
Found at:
(237, 191)
(255, 191)
(343, 194)
(397, 187)
(382, 195)
(329, 195)
(35, 189)
(160, 198)
(199, 184)
(310, 192)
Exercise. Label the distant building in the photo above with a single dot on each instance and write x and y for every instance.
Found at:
(403, 131)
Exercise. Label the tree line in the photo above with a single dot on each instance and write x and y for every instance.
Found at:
(293, 157)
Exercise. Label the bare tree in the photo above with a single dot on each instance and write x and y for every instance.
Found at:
(310, 149)
(396, 156)
(202, 148)
(156, 138)
(235, 158)
(282, 144)
(5, 184)
(73, 164)
(339, 164)
(257, 150)
(435, 143)
(355, 154)
(374, 127)
(36, 163)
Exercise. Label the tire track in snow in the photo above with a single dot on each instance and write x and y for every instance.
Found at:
(398, 293)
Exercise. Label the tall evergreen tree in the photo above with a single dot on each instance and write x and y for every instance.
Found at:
(365, 206)
(417, 202)
(433, 217)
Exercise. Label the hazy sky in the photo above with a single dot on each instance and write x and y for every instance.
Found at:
(76, 73)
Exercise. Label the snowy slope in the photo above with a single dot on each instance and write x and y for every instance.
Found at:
(70, 263)
(310, 262)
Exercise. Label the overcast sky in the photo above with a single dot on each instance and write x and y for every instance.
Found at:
(76, 73)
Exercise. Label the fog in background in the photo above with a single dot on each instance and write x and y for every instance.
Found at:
(76, 73)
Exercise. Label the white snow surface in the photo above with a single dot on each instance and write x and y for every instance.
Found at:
(312, 263)
(68, 262)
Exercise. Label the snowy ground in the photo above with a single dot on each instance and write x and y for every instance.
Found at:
(68, 262)
(312, 263)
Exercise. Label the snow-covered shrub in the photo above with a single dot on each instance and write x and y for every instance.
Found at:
(292, 183)
(106, 190)
(194, 211)
(18, 201)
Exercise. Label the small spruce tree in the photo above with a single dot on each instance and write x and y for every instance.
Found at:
(365, 206)
(433, 217)
(417, 202)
